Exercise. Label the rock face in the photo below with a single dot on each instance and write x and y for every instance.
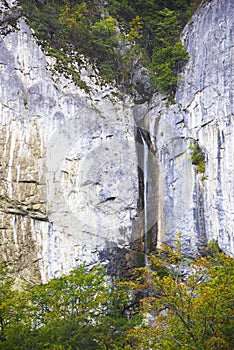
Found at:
(199, 205)
(68, 186)
(73, 167)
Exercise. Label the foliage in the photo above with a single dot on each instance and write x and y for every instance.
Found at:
(174, 303)
(78, 311)
(117, 37)
(198, 158)
(169, 53)
(186, 311)
(6, 300)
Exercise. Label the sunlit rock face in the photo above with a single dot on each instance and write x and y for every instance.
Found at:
(197, 205)
(68, 186)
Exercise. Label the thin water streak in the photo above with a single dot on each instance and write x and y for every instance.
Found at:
(145, 195)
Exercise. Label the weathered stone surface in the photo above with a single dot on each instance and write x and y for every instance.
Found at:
(68, 163)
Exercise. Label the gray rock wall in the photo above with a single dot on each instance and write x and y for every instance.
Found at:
(68, 185)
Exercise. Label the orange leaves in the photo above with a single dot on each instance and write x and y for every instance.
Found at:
(193, 310)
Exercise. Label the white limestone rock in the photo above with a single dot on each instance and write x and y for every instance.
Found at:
(68, 167)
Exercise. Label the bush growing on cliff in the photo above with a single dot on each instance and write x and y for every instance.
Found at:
(198, 158)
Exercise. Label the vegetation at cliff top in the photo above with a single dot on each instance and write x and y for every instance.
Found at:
(118, 38)
(177, 303)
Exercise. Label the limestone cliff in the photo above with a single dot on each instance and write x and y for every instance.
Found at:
(68, 164)
(73, 165)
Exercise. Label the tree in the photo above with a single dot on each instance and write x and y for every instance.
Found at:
(168, 53)
(6, 301)
(175, 303)
(79, 311)
(186, 311)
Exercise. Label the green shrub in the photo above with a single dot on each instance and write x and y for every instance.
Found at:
(198, 158)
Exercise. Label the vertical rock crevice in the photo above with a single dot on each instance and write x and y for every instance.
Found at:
(147, 190)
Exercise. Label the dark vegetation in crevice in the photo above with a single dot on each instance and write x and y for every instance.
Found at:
(117, 39)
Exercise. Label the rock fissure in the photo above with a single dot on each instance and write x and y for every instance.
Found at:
(8, 205)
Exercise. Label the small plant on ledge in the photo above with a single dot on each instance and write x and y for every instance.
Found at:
(197, 157)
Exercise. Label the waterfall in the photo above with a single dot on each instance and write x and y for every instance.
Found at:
(145, 192)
